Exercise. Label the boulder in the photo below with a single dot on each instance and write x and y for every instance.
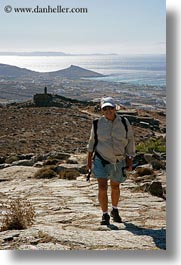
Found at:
(156, 189)
(70, 171)
(73, 167)
(24, 162)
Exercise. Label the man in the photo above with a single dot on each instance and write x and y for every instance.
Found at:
(114, 149)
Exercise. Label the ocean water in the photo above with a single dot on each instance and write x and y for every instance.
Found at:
(138, 69)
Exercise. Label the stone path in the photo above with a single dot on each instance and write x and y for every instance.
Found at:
(68, 215)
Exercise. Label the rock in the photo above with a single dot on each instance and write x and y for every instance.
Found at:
(51, 162)
(143, 170)
(68, 215)
(9, 235)
(72, 167)
(144, 186)
(12, 158)
(2, 159)
(140, 159)
(156, 189)
(157, 164)
(4, 166)
(24, 162)
(39, 164)
(145, 178)
(18, 172)
(148, 157)
(58, 155)
(44, 246)
(80, 158)
(25, 156)
(72, 161)
(68, 171)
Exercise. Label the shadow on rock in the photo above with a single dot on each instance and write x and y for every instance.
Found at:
(113, 227)
(159, 235)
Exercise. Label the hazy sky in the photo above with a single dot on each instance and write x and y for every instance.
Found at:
(121, 26)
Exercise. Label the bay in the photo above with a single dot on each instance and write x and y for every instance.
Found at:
(137, 69)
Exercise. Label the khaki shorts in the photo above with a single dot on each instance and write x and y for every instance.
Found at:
(115, 172)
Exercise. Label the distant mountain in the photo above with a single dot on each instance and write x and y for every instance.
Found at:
(14, 71)
(33, 53)
(50, 53)
(72, 72)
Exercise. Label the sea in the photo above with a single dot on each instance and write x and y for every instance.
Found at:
(147, 70)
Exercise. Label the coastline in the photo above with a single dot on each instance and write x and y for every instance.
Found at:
(146, 69)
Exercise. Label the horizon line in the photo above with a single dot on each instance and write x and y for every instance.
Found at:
(60, 53)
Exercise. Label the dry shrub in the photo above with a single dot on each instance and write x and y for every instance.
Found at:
(45, 173)
(143, 171)
(51, 162)
(69, 174)
(46, 238)
(19, 214)
(11, 159)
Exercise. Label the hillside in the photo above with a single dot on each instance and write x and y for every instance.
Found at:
(42, 129)
(19, 84)
(10, 71)
(67, 214)
(43, 160)
(72, 72)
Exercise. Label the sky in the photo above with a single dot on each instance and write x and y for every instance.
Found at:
(116, 26)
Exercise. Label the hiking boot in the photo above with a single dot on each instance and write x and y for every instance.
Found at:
(105, 219)
(115, 215)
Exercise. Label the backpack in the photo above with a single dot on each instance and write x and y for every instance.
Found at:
(95, 122)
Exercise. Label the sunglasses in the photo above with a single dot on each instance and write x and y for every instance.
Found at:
(108, 108)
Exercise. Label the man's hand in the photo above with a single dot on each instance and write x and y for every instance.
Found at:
(129, 163)
(89, 161)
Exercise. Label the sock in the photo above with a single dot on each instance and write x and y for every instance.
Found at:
(114, 207)
(105, 212)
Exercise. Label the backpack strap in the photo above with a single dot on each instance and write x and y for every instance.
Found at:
(123, 119)
(103, 161)
(95, 122)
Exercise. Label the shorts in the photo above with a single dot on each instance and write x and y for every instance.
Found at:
(115, 172)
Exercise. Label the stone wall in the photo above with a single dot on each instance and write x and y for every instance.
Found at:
(145, 122)
(42, 100)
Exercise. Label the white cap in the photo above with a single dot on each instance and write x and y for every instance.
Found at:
(107, 102)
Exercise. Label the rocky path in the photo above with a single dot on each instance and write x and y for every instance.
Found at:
(68, 215)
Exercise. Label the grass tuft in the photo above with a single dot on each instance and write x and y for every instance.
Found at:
(19, 214)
